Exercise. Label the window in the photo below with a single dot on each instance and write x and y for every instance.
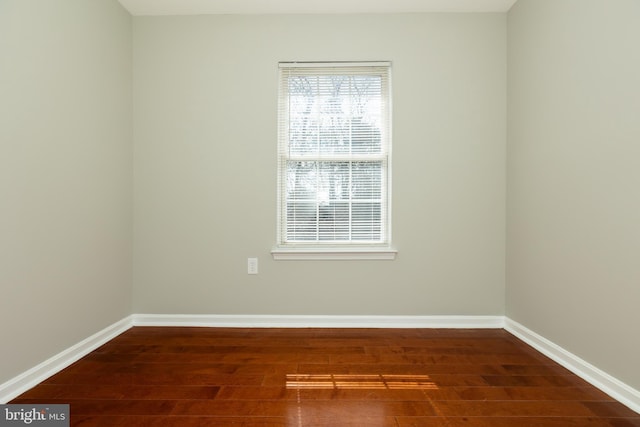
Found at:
(334, 161)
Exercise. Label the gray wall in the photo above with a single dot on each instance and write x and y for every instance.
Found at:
(573, 174)
(205, 96)
(65, 175)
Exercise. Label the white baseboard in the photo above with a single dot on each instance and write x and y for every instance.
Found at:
(23, 382)
(615, 388)
(274, 321)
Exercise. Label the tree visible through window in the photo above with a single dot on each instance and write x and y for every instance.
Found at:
(334, 154)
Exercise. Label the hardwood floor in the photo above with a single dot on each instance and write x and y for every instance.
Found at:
(192, 377)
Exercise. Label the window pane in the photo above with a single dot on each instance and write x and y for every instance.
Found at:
(303, 114)
(301, 221)
(334, 221)
(301, 180)
(367, 180)
(366, 114)
(333, 182)
(333, 99)
(334, 114)
(366, 221)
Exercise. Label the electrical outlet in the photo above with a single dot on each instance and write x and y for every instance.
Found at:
(252, 266)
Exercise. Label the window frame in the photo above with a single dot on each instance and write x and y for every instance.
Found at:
(333, 250)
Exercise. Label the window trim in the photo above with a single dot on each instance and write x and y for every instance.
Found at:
(337, 251)
(333, 253)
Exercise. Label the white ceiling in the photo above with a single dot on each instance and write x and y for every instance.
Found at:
(205, 7)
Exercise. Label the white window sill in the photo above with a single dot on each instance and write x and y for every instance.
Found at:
(333, 254)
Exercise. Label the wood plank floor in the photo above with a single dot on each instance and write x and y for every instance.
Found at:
(191, 377)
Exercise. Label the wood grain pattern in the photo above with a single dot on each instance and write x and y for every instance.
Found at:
(192, 377)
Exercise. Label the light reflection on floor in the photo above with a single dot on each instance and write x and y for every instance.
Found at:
(353, 382)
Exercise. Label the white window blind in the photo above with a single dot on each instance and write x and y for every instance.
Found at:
(334, 154)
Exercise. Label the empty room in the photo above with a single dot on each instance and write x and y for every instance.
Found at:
(320, 213)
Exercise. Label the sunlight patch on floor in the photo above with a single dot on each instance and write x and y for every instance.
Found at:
(348, 381)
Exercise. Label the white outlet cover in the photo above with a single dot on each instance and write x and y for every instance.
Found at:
(252, 266)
